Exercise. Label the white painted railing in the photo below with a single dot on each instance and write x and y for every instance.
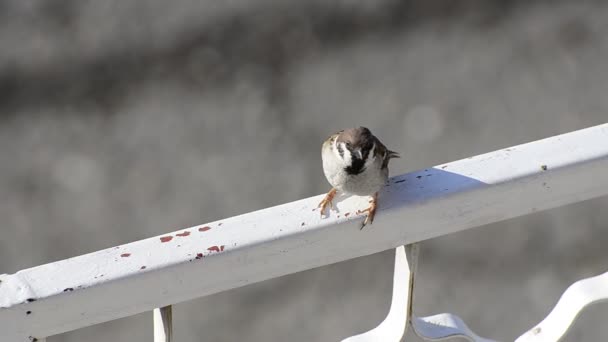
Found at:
(190, 263)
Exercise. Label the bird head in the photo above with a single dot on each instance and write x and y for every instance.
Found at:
(355, 146)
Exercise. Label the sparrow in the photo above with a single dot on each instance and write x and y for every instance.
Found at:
(355, 162)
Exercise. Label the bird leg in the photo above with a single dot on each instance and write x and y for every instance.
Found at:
(327, 200)
(371, 210)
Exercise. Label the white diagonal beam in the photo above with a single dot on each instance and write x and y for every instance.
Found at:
(289, 238)
(577, 297)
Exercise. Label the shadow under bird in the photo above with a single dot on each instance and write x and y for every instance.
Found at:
(355, 162)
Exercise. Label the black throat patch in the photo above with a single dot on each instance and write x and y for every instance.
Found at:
(356, 167)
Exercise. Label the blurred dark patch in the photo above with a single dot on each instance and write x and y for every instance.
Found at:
(60, 14)
(574, 33)
(261, 42)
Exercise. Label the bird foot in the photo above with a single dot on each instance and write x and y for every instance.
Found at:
(327, 201)
(371, 211)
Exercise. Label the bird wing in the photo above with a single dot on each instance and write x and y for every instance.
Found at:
(384, 153)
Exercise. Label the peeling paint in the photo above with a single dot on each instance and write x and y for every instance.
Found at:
(216, 248)
(125, 255)
(199, 256)
(185, 233)
(204, 229)
(166, 238)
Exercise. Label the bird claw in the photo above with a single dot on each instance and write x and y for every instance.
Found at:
(369, 219)
(371, 212)
(327, 200)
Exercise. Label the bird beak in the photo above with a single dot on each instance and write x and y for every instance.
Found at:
(358, 153)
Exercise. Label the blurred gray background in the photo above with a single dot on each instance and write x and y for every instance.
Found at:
(125, 119)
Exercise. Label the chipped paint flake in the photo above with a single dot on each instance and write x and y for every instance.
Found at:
(216, 248)
(166, 238)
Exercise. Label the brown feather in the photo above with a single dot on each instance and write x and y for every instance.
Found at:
(384, 153)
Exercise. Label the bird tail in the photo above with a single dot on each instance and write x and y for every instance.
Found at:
(392, 154)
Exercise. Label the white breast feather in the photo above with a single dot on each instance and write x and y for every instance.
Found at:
(333, 166)
(366, 183)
